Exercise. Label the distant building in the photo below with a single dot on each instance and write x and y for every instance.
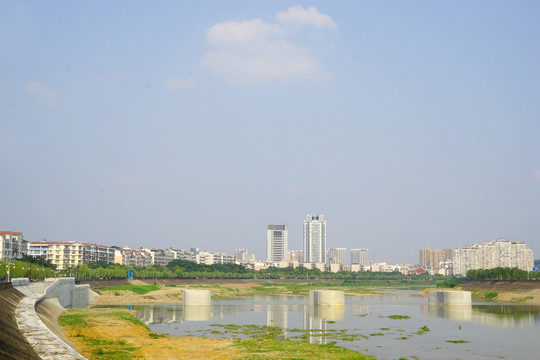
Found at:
(492, 254)
(296, 255)
(360, 256)
(337, 256)
(277, 237)
(430, 258)
(243, 255)
(334, 267)
(315, 239)
(71, 253)
(162, 257)
(132, 257)
(12, 245)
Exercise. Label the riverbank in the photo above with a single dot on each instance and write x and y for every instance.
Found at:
(116, 334)
(525, 292)
(131, 293)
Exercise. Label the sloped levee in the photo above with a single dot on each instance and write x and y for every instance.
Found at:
(47, 343)
(48, 311)
(13, 345)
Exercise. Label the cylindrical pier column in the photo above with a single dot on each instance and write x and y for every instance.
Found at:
(327, 297)
(197, 297)
(449, 297)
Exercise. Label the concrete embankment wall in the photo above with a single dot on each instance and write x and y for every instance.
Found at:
(42, 332)
(68, 294)
(13, 345)
(48, 311)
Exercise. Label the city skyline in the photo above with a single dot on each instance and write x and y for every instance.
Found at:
(409, 125)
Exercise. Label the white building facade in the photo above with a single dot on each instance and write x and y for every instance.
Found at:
(315, 239)
(277, 238)
(360, 256)
(71, 253)
(12, 245)
(492, 254)
(337, 256)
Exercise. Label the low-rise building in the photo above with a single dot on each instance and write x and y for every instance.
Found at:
(132, 257)
(70, 253)
(12, 245)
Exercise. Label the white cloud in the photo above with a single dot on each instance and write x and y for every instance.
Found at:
(297, 15)
(177, 83)
(253, 51)
(241, 31)
(536, 177)
(41, 91)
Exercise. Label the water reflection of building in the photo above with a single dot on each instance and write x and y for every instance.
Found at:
(276, 316)
(315, 318)
(155, 314)
(504, 316)
(159, 314)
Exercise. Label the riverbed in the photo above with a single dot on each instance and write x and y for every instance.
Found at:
(398, 324)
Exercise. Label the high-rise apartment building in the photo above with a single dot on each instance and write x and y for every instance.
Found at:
(314, 239)
(492, 254)
(337, 256)
(276, 242)
(360, 256)
(430, 257)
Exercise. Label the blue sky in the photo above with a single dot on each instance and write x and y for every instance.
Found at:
(197, 123)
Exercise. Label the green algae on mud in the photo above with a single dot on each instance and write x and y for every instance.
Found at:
(287, 349)
(262, 342)
(138, 289)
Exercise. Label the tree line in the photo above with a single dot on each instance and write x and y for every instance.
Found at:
(184, 269)
(500, 273)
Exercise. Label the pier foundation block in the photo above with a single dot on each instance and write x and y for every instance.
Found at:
(327, 297)
(449, 297)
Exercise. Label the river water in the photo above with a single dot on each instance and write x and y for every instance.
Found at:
(485, 330)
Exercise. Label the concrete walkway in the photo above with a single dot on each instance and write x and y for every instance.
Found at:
(46, 344)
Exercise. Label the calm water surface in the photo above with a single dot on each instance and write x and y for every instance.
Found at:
(491, 330)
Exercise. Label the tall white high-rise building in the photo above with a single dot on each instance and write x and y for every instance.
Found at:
(337, 256)
(315, 239)
(277, 237)
(359, 256)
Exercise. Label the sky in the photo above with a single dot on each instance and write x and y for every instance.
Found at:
(187, 124)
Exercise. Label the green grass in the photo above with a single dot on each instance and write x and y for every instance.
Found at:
(523, 299)
(304, 288)
(490, 295)
(457, 341)
(286, 349)
(138, 289)
(111, 350)
(68, 319)
(399, 317)
(124, 315)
